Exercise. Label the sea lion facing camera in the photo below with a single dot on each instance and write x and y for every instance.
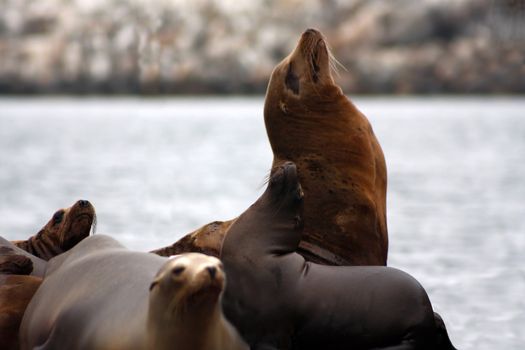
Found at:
(277, 300)
(66, 228)
(100, 295)
(341, 166)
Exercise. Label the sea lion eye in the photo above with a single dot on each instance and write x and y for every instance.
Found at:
(57, 218)
(292, 81)
(178, 270)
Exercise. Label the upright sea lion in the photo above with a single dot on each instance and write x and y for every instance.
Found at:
(278, 300)
(341, 166)
(99, 295)
(66, 228)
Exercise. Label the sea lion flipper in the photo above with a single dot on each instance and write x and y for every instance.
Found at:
(15, 264)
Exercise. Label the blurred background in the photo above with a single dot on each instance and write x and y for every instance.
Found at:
(153, 111)
(228, 46)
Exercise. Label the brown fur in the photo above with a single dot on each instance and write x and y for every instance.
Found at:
(207, 240)
(15, 294)
(66, 228)
(341, 165)
(12, 263)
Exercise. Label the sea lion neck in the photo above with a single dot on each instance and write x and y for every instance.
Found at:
(276, 217)
(180, 327)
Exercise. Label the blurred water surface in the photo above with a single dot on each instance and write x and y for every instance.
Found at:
(156, 169)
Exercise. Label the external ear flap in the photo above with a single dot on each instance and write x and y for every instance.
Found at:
(292, 80)
(153, 284)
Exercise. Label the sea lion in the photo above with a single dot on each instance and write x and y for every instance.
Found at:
(277, 300)
(15, 293)
(63, 231)
(99, 295)
(341, 165)
(206, 239)
(66, 228)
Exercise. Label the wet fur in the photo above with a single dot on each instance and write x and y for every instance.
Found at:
(280, 301)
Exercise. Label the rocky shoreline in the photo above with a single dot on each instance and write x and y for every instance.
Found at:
(223, 47)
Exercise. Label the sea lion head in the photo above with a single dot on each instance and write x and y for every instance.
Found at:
(283, 202)
(303, 75)
(284, 186)
(74, 223)
(188, 282)
(302, 100)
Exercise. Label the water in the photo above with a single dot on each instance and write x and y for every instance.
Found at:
(158, 168)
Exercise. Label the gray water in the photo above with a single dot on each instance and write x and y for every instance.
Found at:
(156, 169)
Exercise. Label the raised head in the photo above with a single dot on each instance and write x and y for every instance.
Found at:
(75, 223)
(303, 75)
(284, 186)
(63, 231)
(273, 224)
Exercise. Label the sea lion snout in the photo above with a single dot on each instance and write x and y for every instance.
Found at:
(284, 175)
(312, 31)
(83, 203)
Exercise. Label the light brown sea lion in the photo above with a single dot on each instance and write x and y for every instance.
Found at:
(99, 295)
(206, 239)
(278, 300)
(66, 228)
(341, 166)
(15, 293)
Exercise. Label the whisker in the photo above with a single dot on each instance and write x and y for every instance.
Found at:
(93, 229)
(265, 180)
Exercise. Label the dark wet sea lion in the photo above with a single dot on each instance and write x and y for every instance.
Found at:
(341, 166)
(99, 295)
(15, 293)
(278, 300)
(66, 228)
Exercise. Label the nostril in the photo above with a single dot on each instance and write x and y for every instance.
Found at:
(212, 270)
(83, 203)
